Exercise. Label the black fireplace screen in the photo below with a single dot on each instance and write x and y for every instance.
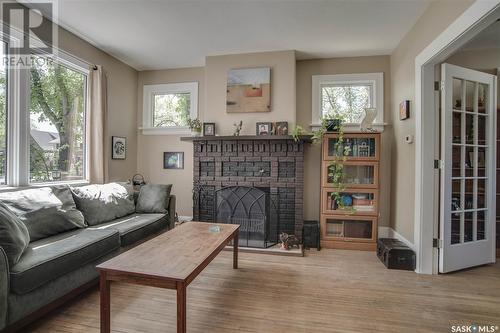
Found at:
(254, 209)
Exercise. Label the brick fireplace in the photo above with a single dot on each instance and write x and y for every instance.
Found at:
(260, 176)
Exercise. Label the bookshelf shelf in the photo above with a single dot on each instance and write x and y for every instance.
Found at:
(355, 225)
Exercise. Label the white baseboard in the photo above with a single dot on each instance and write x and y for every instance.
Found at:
(185, 218)
(388, 232)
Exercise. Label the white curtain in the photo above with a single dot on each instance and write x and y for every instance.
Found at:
(98, 150)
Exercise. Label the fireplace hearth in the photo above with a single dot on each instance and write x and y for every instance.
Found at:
(253, 209)
(254, 181)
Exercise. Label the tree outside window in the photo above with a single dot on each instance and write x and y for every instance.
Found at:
(171, 110)
(346, 101)
(57, 117)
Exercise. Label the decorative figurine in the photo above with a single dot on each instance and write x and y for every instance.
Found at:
(289, 241)
(237, 128)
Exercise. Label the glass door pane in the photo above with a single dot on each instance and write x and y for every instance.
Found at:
(469, 153)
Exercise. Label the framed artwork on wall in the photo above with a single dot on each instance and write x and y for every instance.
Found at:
(404, 110)
(173, 160)
(118, 147)
(248, 90)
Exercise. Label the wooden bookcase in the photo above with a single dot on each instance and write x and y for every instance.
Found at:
(355, 226)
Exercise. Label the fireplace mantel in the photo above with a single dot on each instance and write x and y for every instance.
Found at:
(273, 164)
(302, 138)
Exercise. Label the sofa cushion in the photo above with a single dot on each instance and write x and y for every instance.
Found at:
(103, 203)
(49, 258)
(14, 236)
(153, 198)
(45, 211)
(135, 227)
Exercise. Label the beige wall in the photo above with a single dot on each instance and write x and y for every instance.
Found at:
(151, 147)
(282, 65)
(438, 16)
(122, 100)
(305, 70)
(212, 108)
(286, 86)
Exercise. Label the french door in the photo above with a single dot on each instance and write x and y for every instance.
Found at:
(468, 148)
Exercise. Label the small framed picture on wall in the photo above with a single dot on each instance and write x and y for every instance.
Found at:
(118, 147)
(404, 110)
(173, 160)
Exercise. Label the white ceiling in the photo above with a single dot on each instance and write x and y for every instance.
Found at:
(162, 34)
(489, 38)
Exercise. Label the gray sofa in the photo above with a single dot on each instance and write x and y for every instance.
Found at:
(54, 268)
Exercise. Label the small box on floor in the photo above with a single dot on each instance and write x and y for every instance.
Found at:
(310, 234)
(395, 254)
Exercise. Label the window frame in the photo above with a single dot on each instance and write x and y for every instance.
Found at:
(18, 128)
(376, 80)
(151, 90)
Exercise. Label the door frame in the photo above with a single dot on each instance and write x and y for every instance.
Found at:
(478, 16)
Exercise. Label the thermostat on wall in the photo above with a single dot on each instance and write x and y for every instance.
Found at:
(409, 138)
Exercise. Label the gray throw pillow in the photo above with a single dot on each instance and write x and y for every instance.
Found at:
(153, 199)
(104, 202)
(46, 211)
(14, 236)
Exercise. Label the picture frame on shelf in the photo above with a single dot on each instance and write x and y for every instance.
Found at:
(263, 128)
(173, 160)
(280, 128)
(208, 129)
(118, 147)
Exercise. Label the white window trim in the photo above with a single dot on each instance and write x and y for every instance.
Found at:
(19, 123)
(149, 91)
(374, 79)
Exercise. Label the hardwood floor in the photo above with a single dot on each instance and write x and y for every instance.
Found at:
(326, 291)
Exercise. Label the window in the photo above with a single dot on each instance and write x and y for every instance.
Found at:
(167, 107)
(42, 121)
(171, 110)
(347, 96)
(57, 122)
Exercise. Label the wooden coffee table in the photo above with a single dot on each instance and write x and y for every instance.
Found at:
(171, 260)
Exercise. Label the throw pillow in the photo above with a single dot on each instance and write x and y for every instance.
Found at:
(104, 202)
(45, 211)
(14, 236)
(153, 199)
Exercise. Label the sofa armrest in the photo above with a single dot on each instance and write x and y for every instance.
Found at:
(4, 288)
(171, 211)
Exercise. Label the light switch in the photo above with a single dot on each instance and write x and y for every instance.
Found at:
(409, 139)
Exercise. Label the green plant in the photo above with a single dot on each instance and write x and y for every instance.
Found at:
(341, 152)
(336, 169)
(296, 132)
(194, 125)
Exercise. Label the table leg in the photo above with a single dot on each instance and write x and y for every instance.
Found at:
(104, 289)
(181, 308)
(235, 250)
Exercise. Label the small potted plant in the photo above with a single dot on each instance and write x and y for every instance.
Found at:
(332, 122)
(194, 126)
